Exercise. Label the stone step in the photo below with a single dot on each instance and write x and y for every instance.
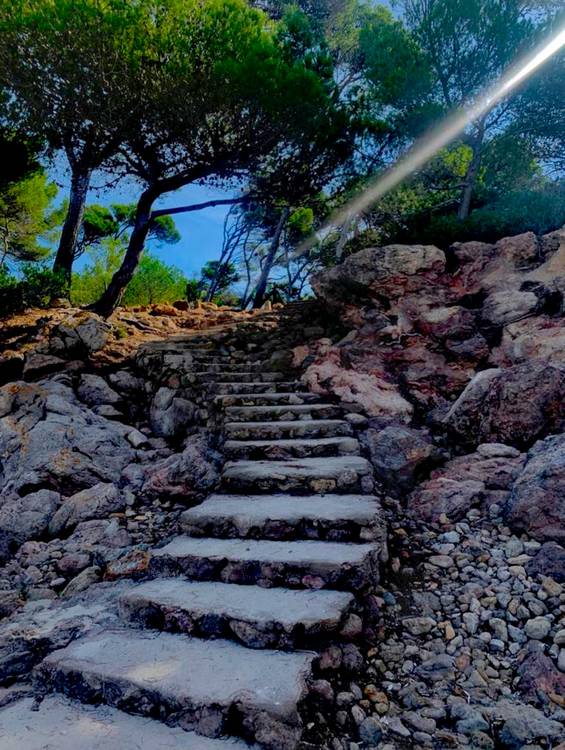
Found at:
(300, 475)
(281, 450)
(266, 399)
(61, 724)
(258, 617)
(341, 518)
(298, 564)
(211, 687)
(296, 429)
(283, 413)
(206, 376)
(226, 366)
(257, 387)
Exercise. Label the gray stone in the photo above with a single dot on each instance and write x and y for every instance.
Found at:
(522, 724)
(95, 502)
(537, 628)
(170, 414)
(537, 502)
(94, 390)
(184, 675)
(24, 518)
(505, 307)
(370, 731)
(64, 725)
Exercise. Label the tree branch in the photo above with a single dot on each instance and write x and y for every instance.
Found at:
(199, 206)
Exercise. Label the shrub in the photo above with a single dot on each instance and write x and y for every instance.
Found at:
(35, 287)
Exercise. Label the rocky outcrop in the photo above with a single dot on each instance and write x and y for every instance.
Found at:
(515, 405)
(483, 478)
(401, 456)
(537, 502)
(49, 440)
(190, 473)
(377, 396)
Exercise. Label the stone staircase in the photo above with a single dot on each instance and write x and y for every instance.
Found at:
(223, 638)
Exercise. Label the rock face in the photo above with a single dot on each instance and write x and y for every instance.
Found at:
(377, 396)
(169, 414)
(537, 502)
(192, 471)
(393, 270)
(23, 518)
(401, 455)
(49, 439)
(514, 405)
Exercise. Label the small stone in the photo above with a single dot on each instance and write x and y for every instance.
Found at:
(471, 621)
(419, 722)
(370, 731)
(419, 625)
(441, 561)
(537, 628)
(323, 689)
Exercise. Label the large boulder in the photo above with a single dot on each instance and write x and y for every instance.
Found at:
(467, 481)
(49, 439)
(377, 396)
(521, 249)
(393, 271)
(400, 456)
(516, 405)
(24, 518)
(505, 307)
(537, 502)
(190, 473)
(540, 337)
(93, 502)
(94, 390)
(80, 333)
(170, 414)
(444, 496)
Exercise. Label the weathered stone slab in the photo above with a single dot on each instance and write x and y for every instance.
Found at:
(281, 450)
(200, 684)
(259, 617)
(319, 475)
(300, 564)
(331, 517)
(62, 724)
(284, 413)
(296, 429)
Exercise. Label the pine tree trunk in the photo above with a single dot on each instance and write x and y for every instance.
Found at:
(472, 174)
(63, 263)
(113, 294)
(261, 288)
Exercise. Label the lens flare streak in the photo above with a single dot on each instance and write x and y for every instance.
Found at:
(439, 137)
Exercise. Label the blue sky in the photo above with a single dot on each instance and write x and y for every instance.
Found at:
(201, 231)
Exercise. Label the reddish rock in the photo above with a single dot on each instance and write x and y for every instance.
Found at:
(548, 561)
(515, 405)
(538, 673)
(537, 502)
(375, 394)
(444, 496)
(134, 564)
